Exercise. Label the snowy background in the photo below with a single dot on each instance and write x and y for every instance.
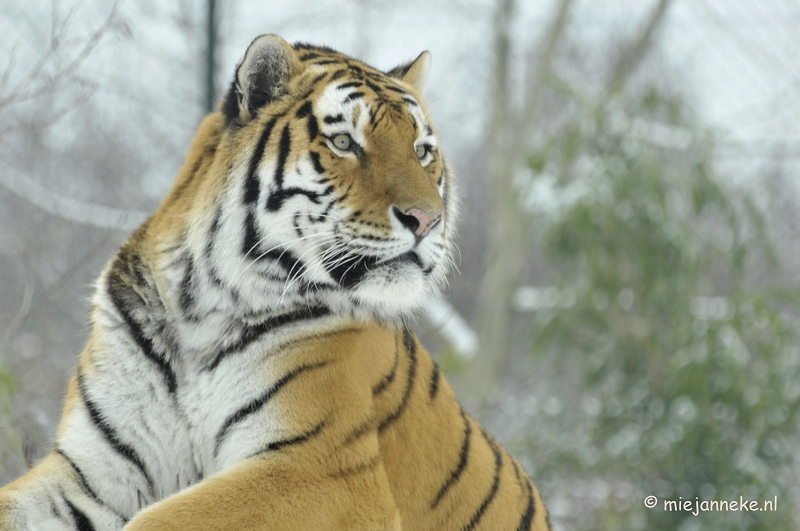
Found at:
(99, 101)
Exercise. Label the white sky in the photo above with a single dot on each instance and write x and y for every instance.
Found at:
(737, 60)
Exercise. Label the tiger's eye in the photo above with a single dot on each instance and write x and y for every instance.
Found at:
(342, 142)
(422, 149)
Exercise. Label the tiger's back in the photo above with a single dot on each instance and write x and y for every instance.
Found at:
(248, 366)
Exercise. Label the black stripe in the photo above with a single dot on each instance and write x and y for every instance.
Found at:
(375, 88)
(313, 127)
(304, 110)
(498, 464)
(252, 187)
(435, 376)
(110, 434)
(347, 268)
(307, 56)
(283, 154)
(303, 437)
(410, 101)
(186, 297)
(354, 96)
(411, 349)
(389, 378)
(213, 274)
(463, 458)
(285, 258)
(518, 475)
(82, 522)
(379, 115)
(296, 224)
(308, 289)
(212, 233)
(316, 162)
(252, 238)
(313, 47)
(260, 402)
(323, 215)
(306, 95)
(530, 510)
(253, 333)
(327, 62)
(339, 73)
(116, 286)
(350, 84)
(397, 89)
(334, 119)
(277, 198)
(83, 483)
(359, 432)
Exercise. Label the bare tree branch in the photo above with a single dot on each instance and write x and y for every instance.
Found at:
(70, 209)
(35, 84)
(30, 305)
(632, 57)
(541, 79)
(22, 312)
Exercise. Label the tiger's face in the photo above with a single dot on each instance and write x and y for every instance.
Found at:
(348, 197)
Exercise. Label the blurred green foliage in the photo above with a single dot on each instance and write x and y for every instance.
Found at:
(679, 375)
(6, 384)
(11, 454)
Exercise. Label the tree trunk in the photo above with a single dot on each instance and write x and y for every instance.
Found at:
(508, 242)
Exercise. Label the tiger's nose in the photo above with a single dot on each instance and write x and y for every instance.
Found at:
(417, 220)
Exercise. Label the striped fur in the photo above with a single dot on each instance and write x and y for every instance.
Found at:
(248, 366)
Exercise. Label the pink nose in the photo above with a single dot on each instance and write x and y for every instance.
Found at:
(417, 220)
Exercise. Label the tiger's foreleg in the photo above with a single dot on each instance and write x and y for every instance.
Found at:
(54, 495)
(263, 493)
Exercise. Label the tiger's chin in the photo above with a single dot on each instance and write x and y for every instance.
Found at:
(393, 299)
(387, 289)
(394, 290)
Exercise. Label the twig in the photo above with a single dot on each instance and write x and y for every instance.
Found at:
(22, 92)
(22, 312)
(632, 57)
(68, 208)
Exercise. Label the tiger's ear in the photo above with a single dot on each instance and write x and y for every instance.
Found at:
(415, 72)
(261, 77)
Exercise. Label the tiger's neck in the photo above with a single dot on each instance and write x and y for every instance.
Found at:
(199, 303)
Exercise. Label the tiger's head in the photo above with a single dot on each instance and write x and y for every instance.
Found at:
(335, 189)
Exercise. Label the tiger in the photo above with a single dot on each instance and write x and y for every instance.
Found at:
(250, 365)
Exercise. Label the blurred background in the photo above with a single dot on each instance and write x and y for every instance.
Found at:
(625, 315)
